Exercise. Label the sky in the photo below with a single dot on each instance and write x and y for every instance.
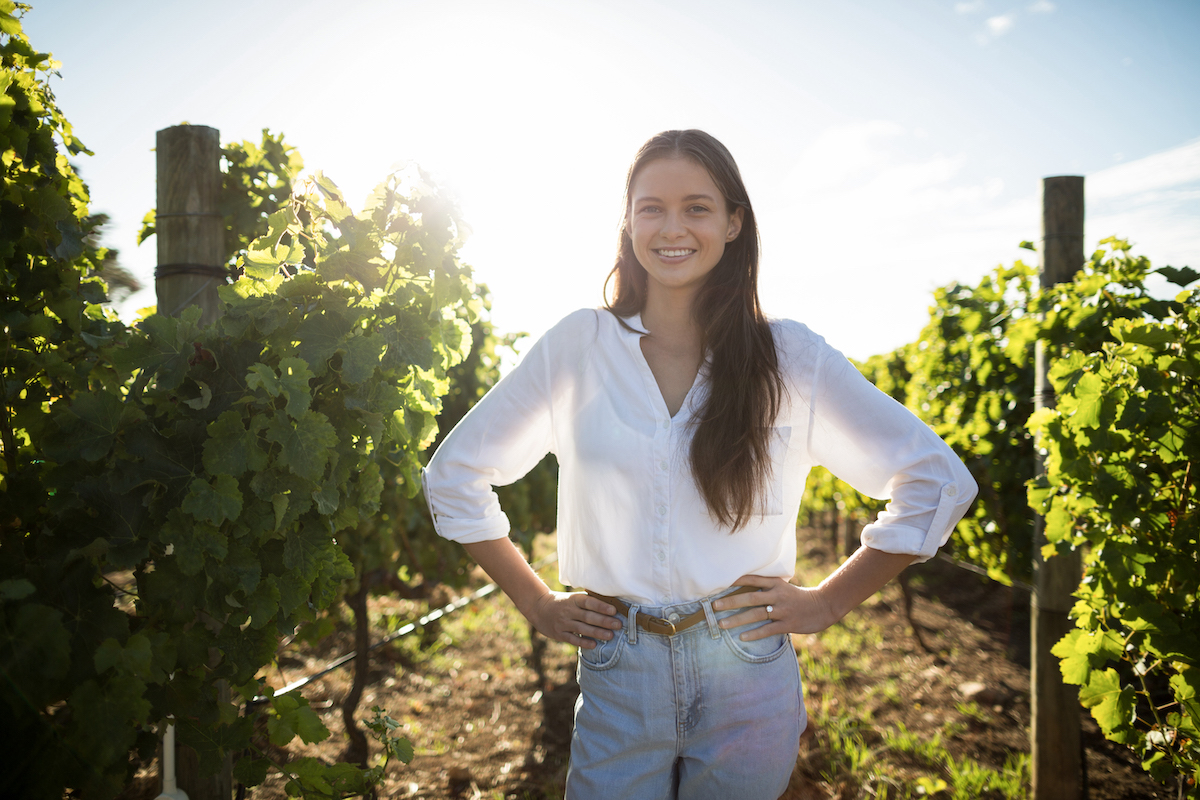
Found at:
(889, 146)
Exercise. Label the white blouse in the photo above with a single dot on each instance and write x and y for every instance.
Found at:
(631, 521)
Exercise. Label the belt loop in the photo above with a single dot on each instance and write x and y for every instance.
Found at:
(631, 626)
(714, 632)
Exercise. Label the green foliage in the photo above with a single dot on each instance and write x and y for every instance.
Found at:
(976, 391)
(1121, 453)
(73, 705)
(1120, 482)
(174, 498)
(402, 538)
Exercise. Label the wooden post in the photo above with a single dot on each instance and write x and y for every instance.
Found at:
(189, 227)
(1057, 766)
(190, 235)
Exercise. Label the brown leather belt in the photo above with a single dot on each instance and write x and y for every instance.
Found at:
(660, 625)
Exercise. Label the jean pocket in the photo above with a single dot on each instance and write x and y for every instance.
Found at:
(759, 651)
(605, 654)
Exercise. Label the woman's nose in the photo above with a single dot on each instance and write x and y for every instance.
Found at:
(673, 227)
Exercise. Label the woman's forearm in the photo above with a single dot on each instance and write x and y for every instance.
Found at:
(862, 575)
(506, 565)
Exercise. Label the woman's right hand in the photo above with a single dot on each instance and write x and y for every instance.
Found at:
(574, 617)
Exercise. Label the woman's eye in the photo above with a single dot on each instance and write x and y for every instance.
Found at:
(698, 209)
(648, 210)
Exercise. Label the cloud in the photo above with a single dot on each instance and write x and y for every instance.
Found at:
(1000, 25)
(868, 221)
(853, 248)
(1041, 7)
(1171, 169)
(968, 8)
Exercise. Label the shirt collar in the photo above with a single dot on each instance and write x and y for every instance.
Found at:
(635, 322)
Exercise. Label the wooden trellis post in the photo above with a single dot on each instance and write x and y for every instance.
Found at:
(189, 227)
(190, 235)
(1055, 734)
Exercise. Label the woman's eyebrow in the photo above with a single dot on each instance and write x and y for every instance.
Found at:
(687, 199)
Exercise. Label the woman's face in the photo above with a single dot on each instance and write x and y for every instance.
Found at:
(679, 223)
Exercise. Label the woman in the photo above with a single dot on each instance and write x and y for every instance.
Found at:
(684, 423)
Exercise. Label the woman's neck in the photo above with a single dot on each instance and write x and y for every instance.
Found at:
(673, 349)
(669, 319)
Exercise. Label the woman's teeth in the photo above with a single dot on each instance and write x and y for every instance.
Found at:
(675, 253)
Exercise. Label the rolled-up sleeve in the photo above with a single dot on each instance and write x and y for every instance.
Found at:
(498, 441)
(883, 450)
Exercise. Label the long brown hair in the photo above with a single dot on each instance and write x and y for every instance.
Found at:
(730, 457)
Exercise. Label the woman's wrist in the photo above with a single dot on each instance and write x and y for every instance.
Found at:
(861, 576)
(830, 612)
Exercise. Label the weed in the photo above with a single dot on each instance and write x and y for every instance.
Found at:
(972, 711)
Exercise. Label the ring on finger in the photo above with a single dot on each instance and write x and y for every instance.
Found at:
(769, 610)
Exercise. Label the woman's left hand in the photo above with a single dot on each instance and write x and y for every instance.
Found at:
(793, 609)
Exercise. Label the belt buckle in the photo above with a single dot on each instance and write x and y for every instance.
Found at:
(666, 623)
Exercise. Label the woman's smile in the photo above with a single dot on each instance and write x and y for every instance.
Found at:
(674, 254)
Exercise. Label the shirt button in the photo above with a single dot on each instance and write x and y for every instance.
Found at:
(662, 556)
(662, 465)
(662, 510)
(666, 424)
(951, 491)
(666, 598)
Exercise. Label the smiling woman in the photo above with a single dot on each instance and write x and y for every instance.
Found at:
(685, 423)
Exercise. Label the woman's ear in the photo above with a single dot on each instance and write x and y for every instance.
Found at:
(735, 224)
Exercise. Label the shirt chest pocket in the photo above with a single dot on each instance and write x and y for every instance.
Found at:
(773, 498)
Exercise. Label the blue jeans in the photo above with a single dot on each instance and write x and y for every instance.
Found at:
(700, 714)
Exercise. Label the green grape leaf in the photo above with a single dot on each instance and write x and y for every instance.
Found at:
(201, 402)
(327, 498)
(1075, 665)
(260, 376)
(305, 443)
(16, 589)
(111, 709)
(1180, 276)
(191, 541)
(134, 658)
(319, 336)
(1111, 704)
(294, 384)
(304, 548)
(214, 502)
(88, 427)
(1148, 334)
(1088, 397)
(361, 357)
(251, 771)
(263, 605)
(39, 649)
(231, 449)
(293, 717)
(242, 568)
(408, 344)
(279, 503)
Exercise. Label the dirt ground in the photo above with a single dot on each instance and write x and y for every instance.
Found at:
(485, 724)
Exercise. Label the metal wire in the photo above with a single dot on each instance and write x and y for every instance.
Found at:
(403, 630)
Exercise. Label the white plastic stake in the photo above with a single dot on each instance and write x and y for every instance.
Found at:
(170, 791)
